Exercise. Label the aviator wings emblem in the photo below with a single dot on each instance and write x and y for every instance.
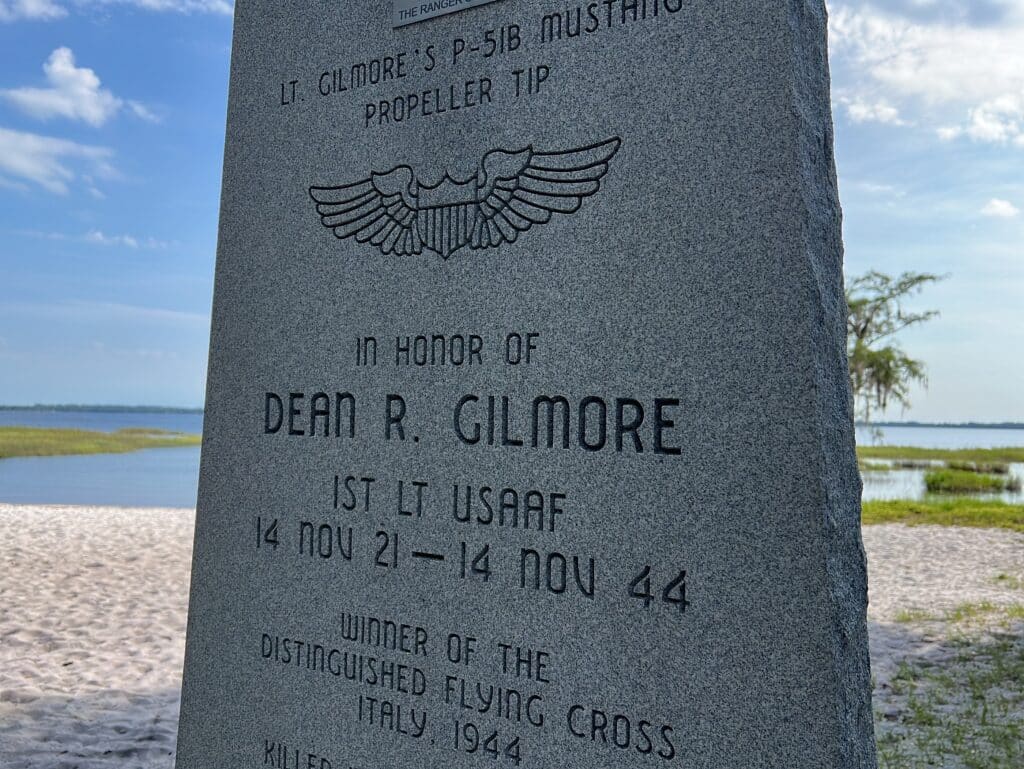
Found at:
(511, 192)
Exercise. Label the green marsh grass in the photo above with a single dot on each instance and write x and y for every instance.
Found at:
(986, 468)
(964, 711)
(913, 464)
(874, 467)
(966, 482)
(52, 442)
(973, 513)
(943, 455)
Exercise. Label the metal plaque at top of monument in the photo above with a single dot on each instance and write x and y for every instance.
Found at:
(412, 11)
(528, 437)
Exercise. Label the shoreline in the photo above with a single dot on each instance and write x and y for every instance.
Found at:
(9, 507)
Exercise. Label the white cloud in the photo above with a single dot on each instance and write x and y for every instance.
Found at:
(99, 238)
(881, 189)
(93, 190)
(862, 111)
(180, 6)
(49, 162)
(12, 10)
(958, 65)
(143, 112)
(127, 241)
(125, 312)
(1000, 120)
(941, 62)
(10, 184)
(78, 313)
(74, 93)
(1000, 209)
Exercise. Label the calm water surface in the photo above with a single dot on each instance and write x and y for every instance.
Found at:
(909, 484)
(169, 477)
(943, 437)
(103, 421)
(152, 478)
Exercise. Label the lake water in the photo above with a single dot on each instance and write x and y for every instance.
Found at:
(152, 478)
(104, 421)
(944, 437)
(909, 484)
(169, 477)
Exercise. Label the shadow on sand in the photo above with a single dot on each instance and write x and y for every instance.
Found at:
(91, 731)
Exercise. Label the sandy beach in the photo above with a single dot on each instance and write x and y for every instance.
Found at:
(93, 605)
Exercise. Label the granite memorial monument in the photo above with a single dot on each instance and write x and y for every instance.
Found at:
(528, 437)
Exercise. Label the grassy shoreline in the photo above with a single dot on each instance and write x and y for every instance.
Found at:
(972, 513)
(949, 481)
(57, 442)
(991, 456)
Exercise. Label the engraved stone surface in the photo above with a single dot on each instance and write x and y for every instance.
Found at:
(528, 437)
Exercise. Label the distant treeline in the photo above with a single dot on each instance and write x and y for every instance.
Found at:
(105, 409)
(956, 425)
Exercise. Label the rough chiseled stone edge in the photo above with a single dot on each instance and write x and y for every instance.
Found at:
(845, 563)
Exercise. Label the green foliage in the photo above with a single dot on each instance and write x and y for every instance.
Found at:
(963, 711)
(874, 467)
(972, 513)
(912, 464)
(966, 482)
(48, 442)
(991, 614)
(967, 612)
(908, 616)
(943, 455)
(881, 373)
(988, 468)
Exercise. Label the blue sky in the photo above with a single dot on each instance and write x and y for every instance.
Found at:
(111, 131)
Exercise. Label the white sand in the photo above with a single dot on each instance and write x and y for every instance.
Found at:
(935, 569)
(93, 606)
(932, 570)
